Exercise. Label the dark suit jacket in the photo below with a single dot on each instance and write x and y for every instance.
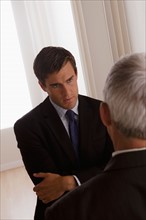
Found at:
(119, 193)
(46, 147)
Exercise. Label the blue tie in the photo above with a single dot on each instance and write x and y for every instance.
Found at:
(73, 130)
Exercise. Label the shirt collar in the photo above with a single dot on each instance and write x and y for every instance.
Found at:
(61, 111)
(126, 151)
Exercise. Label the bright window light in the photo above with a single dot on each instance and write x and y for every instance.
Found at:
(15, 98)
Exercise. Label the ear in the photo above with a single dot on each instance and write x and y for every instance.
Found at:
(105, 114)
(42, 86)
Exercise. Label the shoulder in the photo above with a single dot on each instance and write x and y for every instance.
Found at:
(89, 101)
(33, 115)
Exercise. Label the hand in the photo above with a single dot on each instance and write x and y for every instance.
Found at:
(53, 186)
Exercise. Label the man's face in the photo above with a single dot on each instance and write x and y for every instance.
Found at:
(62, 87)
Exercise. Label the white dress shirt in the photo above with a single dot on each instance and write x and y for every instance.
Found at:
(61, 112)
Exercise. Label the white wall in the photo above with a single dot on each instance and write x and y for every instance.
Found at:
(98, 42)
(9, 153)
(136, 19)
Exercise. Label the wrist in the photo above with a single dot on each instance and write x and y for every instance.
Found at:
(69, 182)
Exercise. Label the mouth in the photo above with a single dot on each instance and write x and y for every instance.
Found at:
(68, 99)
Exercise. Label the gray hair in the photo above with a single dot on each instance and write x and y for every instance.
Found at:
(125, 94)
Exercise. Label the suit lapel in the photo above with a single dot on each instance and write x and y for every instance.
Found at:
(55, 124)
(85, 124)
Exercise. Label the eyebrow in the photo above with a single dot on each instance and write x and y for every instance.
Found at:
(57, 83)
(70, 78)
(53, 84)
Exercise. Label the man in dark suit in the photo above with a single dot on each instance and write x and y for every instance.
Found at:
(119, 193)
(43, 134)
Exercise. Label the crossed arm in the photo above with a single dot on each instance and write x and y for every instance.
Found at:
(53, 186)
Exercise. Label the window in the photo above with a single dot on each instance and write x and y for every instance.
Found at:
(15, 98)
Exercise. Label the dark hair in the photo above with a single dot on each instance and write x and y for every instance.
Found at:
(52, 59)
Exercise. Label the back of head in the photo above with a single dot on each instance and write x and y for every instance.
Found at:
(50, 60)
(125, 94)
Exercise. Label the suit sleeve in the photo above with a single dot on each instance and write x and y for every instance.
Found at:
(35, 156)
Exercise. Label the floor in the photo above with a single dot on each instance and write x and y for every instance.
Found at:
(17, 199)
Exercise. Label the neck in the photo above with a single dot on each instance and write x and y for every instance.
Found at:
(124, 143)
(130, 144)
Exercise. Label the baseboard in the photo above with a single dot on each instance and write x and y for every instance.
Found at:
(11, 165)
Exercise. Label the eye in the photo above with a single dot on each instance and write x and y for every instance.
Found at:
(70, 80)
(55, 86)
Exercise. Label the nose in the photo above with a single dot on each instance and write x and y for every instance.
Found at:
(65, 90)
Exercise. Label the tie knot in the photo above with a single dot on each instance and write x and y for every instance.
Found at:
(70, 114)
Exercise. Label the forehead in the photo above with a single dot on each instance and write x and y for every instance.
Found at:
(62, 75)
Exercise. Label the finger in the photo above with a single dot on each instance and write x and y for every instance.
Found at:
(45, 201)
(40, 175)
(38, 188)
